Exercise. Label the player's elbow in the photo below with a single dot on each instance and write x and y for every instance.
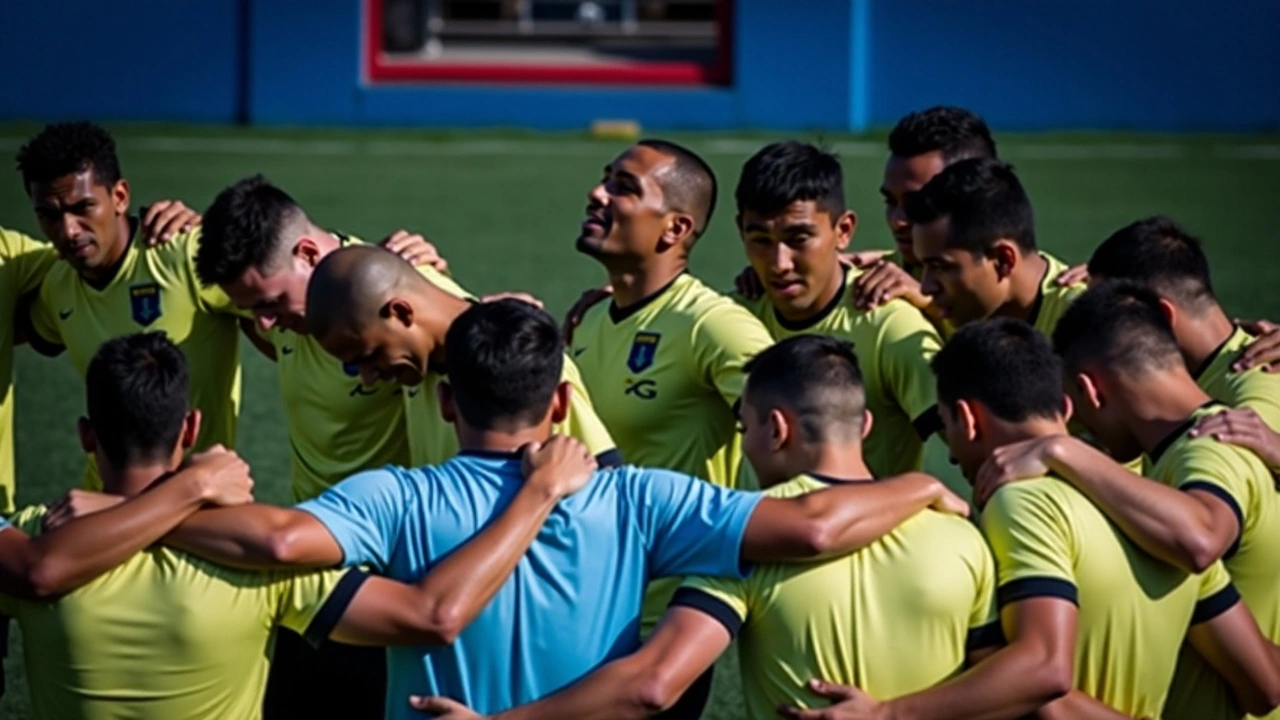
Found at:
(285, 546)
(443, 625)
(1050, 674)
(1200, 549)
(46, 579)
(1263, 694)
(656, 691)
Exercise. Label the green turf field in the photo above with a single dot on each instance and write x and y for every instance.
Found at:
(504, 209)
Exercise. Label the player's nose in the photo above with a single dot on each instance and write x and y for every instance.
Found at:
(929, 284)
(598, 195)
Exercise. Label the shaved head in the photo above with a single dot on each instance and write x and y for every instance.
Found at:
(350, 286)
(688, 184)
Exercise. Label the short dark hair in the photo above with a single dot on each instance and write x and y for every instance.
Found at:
(984, 201)
(1006, 365)
(957, 133)
(817, 377)
(136, 388)
(1119, 325)
(787, 172)
(504, 361)
(691, 185)
(68, 148)
(243, 229)
(1159, 253)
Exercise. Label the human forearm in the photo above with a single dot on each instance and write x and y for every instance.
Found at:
(1166, 522)
(1075, 705)
(616, 691)
(257, 537)
(1014, 682)
(836, 520)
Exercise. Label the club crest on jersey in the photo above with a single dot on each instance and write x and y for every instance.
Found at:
(144, 303)
(643, 350)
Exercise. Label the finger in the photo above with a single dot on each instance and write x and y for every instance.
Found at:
(832, 691)
(434, 704)
(795, 713)
(396, 240)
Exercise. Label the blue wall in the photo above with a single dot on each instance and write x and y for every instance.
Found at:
(798, 64)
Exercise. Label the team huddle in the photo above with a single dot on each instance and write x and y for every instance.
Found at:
(500, 516)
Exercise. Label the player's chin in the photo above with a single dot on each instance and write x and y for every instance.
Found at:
(590, 245)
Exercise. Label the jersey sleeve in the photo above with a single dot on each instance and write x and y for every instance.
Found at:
(444, 282)
(907, 343)
(312, 603)
(1218, 470)
(43, 319)
(725, 600)
(1215, 595)
(724, 339)
(1032, 545)
(1261, 393)
(984, 617)
(27, 258)
(691, 527)
(365, 513)
(583, 423)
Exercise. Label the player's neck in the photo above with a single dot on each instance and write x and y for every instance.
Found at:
(839, 461)
(133, 479)
(821, 303)
(442, 310)
(1159, 403)
(470, 438)
(1200, 336)
(638, 283)
(1024, 287)
(1006, 433)
(101, 277)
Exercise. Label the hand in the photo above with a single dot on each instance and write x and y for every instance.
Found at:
(1072, 275)
(223, 476)
(579, 310)
(77, 504)
(415, 250)
(521, 296)
(1022, 460)
(748, 284)
(1243, 427)
(849, 703)
(164, 219)
(864, 258)
(443, 708)
(1264, 351)
(561, 465)
(883, 282)
(950, 503)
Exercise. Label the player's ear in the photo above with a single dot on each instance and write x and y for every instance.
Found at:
(120, 196)
(867, 421)
(1089, 389)
(1004, 254)
(781, 430)
(679, 231)
(88, 440)
(448, 409)
(1068, 408)
(845, 226)
(560, 402)
(190, 429)
(398, 310)
(307, 251)
(1169, 310)
(967, 416)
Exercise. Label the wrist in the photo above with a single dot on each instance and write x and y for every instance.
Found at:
(544, 488)
(198, 485)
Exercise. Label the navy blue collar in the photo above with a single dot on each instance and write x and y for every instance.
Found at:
(491, 454)
(826, 311)
(829, 480)
(617, 314)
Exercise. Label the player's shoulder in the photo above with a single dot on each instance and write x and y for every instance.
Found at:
(14, 244)
(1044, 498)
(1204, 455)
(444, 282)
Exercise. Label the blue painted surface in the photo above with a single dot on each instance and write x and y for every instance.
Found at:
(811, 64)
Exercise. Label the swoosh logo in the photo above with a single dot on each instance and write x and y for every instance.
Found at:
(286, 349)
(577, 352)
(64, 314)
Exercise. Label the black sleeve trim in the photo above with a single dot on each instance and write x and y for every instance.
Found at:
(1216, 604)
(610, 458)
(713, 606)
(1219, 492)
(929, 423)
(24, 326)
(327, 619)
(989, 635)
(1034, 587)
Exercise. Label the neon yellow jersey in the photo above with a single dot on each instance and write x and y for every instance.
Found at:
(893, 618)
(433, 441)
(1252, 388)
(1242, 480)
(167, 635)
(1054, 299)
(894, 343)
(155, 289)
(1134, 610)
(665, 375)
(24, 262)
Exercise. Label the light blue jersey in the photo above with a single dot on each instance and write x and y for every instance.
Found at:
(573, 602)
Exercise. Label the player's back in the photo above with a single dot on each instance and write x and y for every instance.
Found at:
(1254, 388)
(664, 375)
(1134, 610)
(164, 636)
(1242, 480)
(574, 599)
(893, 618)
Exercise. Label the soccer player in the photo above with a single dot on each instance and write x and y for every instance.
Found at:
(900, 615)
(111, 284)
(793, 223)
(166, 635)
(1083, 607)
(1160, 254)
(1206, 501)
(576, 594)
(974, 233)
(371, 310)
